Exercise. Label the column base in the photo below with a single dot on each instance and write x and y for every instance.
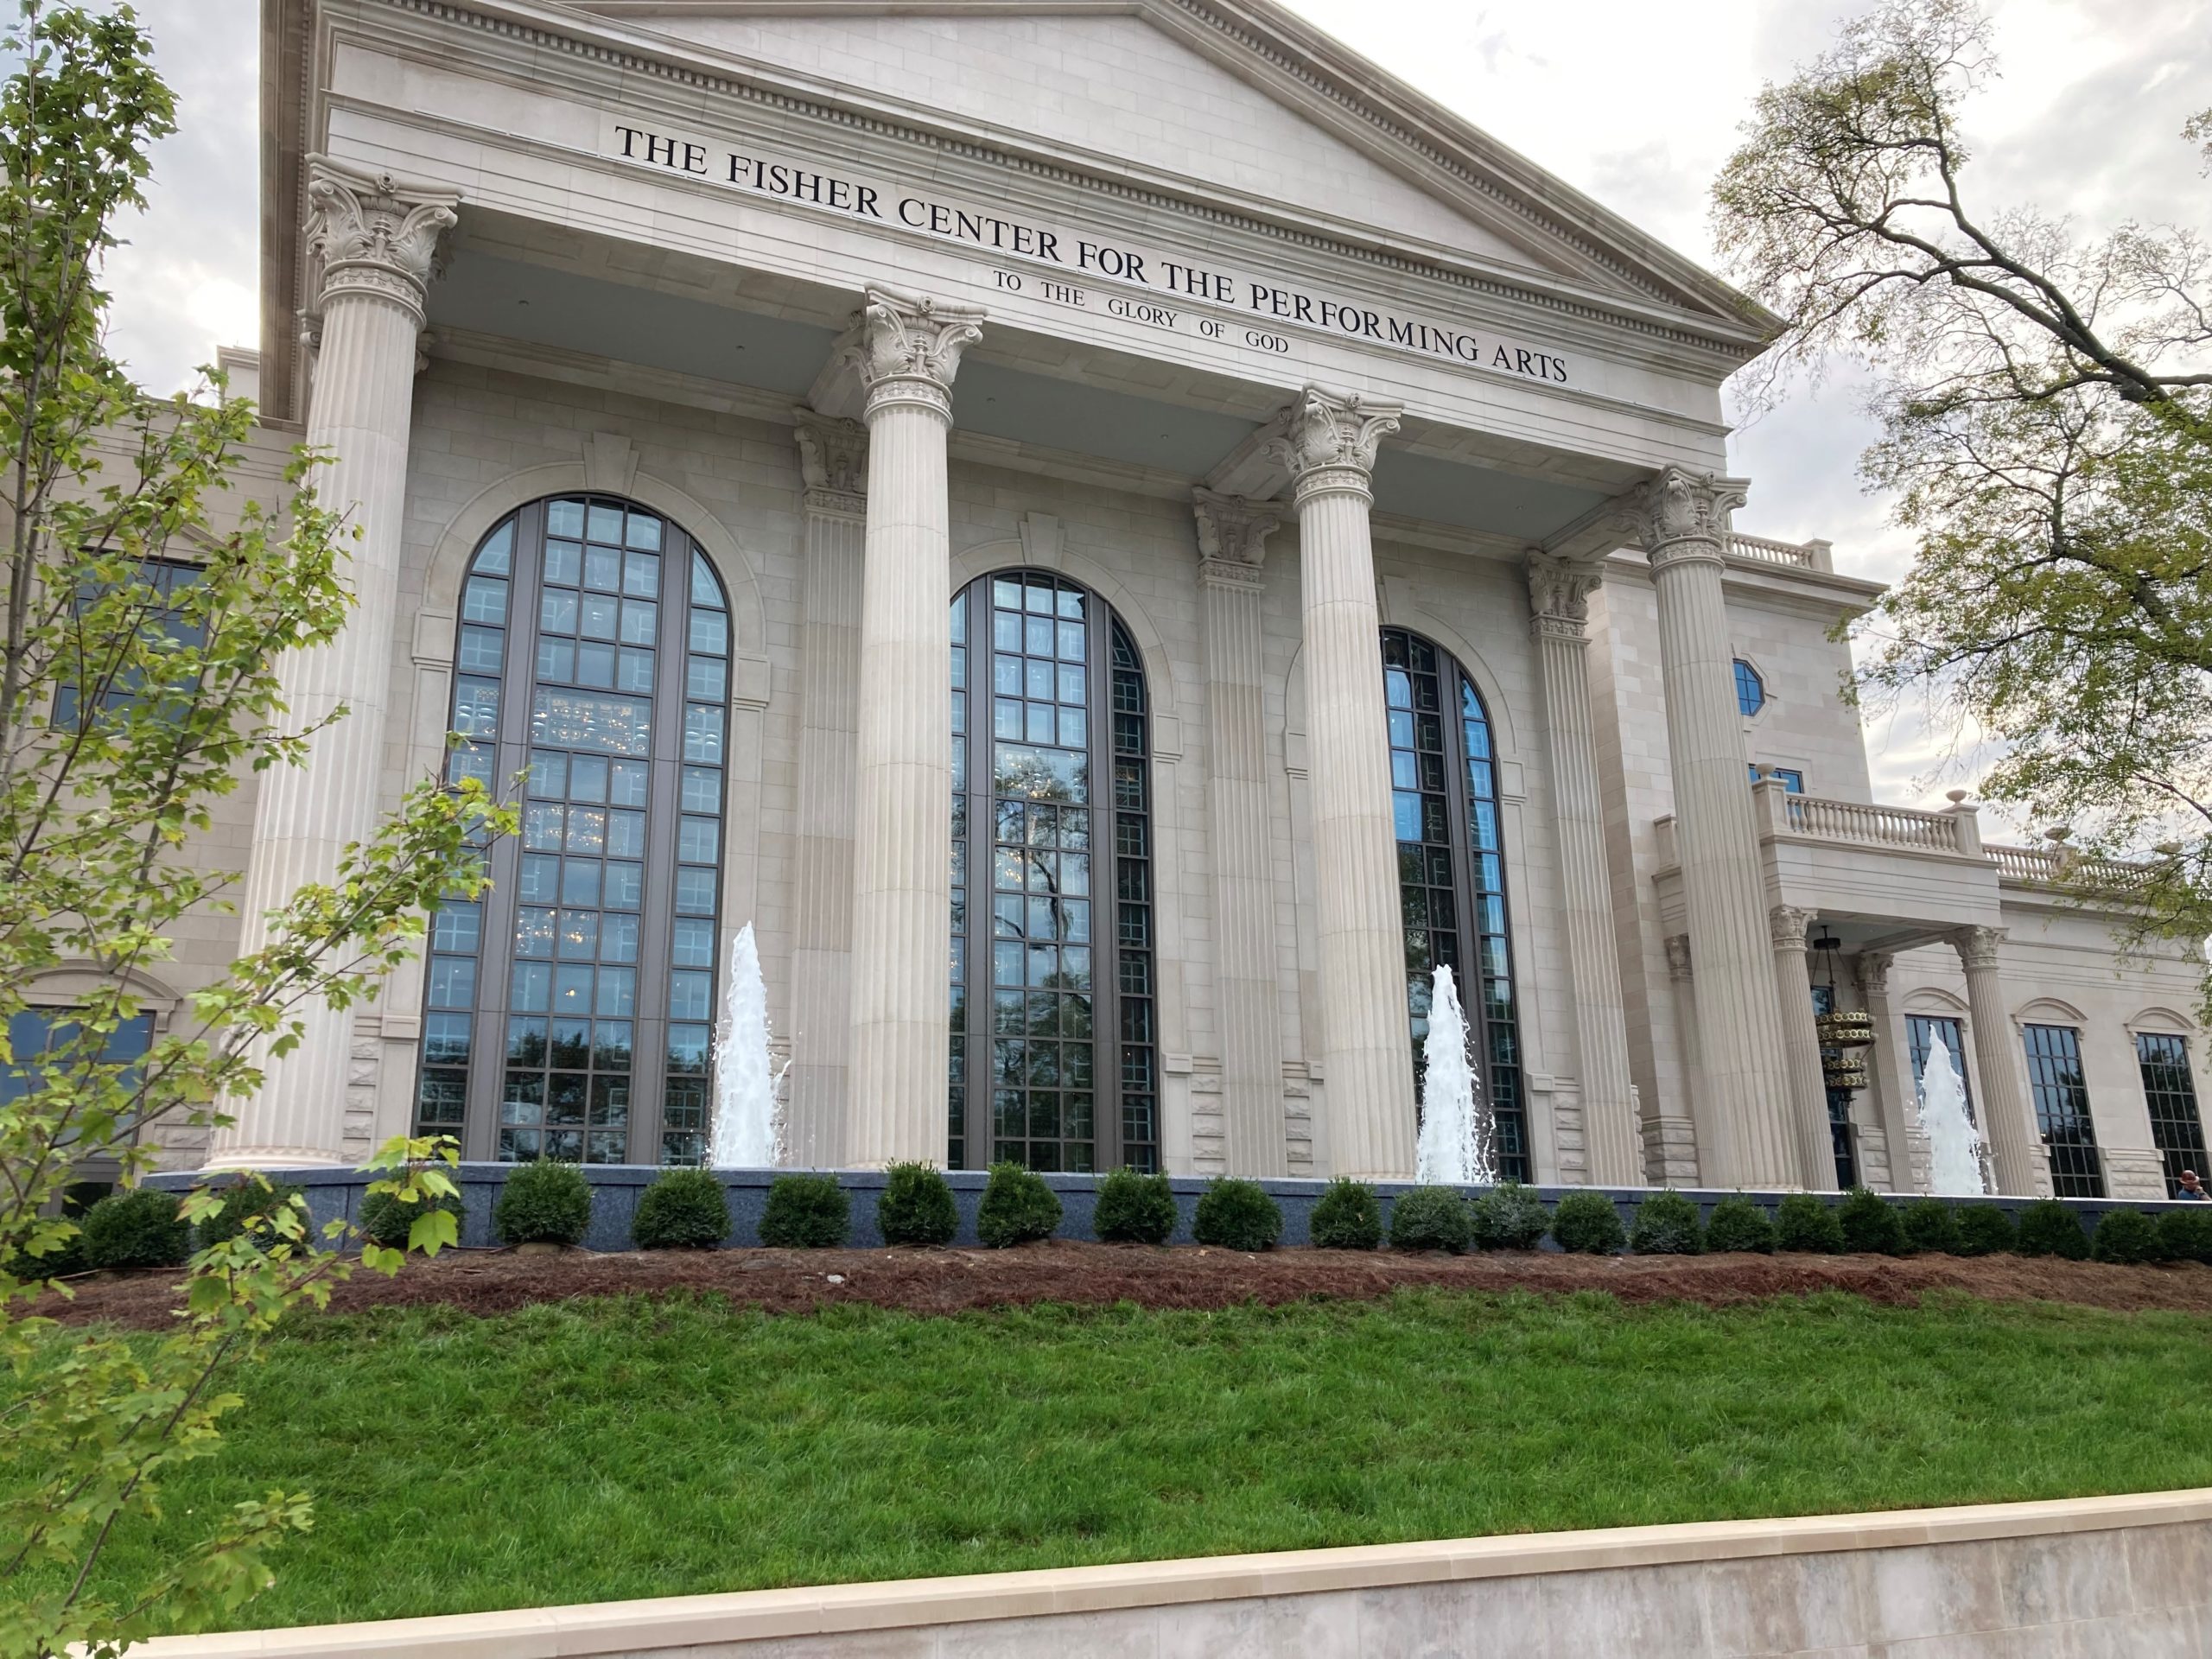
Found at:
(266, 1158)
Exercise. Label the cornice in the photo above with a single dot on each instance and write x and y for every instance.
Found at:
(1729, 338)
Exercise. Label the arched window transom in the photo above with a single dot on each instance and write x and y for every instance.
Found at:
(1054, 1057)
(1452, 869)
(568, 1013)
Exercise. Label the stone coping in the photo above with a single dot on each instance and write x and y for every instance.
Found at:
(623, 1627)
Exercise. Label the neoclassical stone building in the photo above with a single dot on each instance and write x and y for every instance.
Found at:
(1118, 537)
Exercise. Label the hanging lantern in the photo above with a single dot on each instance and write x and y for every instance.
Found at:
(1844, 1028)
(1838, 1071)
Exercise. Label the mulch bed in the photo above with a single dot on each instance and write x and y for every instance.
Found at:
(952, 1280)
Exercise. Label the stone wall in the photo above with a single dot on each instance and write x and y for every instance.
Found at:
(2086, 1576)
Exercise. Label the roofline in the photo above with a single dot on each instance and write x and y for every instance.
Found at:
(1260, 39)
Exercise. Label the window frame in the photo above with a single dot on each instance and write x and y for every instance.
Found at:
(1743, 671)
(2044, 1053)
(489, 1009)
(970, 1084)
(1513, 1147)
(2173, 1108)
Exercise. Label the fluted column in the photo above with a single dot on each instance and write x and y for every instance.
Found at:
(2016, 1149)
(833, 463)
(1744, 1077)
(1890, 1069)
(1232, 542)
(374, 237)
(1558, 610)
(1329, 447)
(1809, 1089)
(906, 350)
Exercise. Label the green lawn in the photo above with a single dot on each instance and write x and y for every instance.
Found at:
(596, 1450)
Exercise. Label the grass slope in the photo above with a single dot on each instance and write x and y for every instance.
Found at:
(590, 1451)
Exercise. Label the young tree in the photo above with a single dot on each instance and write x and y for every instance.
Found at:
(2045, 404)
(139, 645)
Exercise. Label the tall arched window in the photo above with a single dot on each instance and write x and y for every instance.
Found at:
(567, 1014)
(1452, 868)
(1055, 1060)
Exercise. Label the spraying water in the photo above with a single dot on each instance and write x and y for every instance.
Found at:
(748, 1118)
(1954, 1145)
(1456, 1131)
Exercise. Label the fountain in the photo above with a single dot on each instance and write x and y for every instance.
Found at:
(1456, 1131)
(748, 1118)
(1954, 1144)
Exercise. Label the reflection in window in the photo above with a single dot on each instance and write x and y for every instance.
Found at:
(1751, 690)
(2062, 1096)
(1452, 869)
(567, 1013)
(2170, 1093)
(33, 1033)
(1068, 1080)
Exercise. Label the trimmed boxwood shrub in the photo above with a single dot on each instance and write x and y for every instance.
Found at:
(2128, 1237)
(2185, 1235)
(243, 1200)
(2048, 1228)
(1666, 1224)
(1347, 1216)
(1431, 1218)
(1588, 1223)
(806, 1213)
(138, 1229)
(1739, 1224)
(543, 1203)
(1017, 1207)
(1134, 1208)
(1931, 1224)
(387, 1219)
(1870, 1225)
(1237, 1215)
(917, 1206)
(683, 1210)
(1803, 1222)
(1509, 1217)
(1985, 1230)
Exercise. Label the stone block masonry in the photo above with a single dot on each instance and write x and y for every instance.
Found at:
(2101, 1575)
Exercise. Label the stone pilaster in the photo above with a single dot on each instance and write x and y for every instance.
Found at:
(1232, 546)
(906, 349)
(2017, 1156)
(374, 238)
(1889, 1066)
(833, 463)
(1329, 449)
(1809, 1094)
(1679, 519)
(1671, 1152)
(1558, 609)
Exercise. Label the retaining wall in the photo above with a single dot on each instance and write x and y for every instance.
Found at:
(2067, 1579)
(615, 1189)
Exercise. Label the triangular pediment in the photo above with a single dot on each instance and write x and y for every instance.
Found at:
(1243, 101)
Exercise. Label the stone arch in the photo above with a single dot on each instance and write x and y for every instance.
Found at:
(2050, 1010)
(69, 982)
(2171, 1021)
(1504, 735)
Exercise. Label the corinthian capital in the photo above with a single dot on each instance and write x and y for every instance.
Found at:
(1329, 442)
(1232, 537)
(1978, 946)
(1558, 596)
(906, 348)
(373, 234)
(833, 462)
(1681, 515)
(1786, 925)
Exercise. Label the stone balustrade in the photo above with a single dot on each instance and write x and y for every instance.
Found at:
(1869, 825)
(1804, 555)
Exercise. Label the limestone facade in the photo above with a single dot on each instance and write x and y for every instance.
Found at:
(1272, 363)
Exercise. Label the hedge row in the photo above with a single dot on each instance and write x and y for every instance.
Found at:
(551, 1203)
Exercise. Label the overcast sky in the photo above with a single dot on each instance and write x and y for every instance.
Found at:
(1636, 103)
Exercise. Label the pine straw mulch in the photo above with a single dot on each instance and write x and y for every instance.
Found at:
(1066, 1271)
